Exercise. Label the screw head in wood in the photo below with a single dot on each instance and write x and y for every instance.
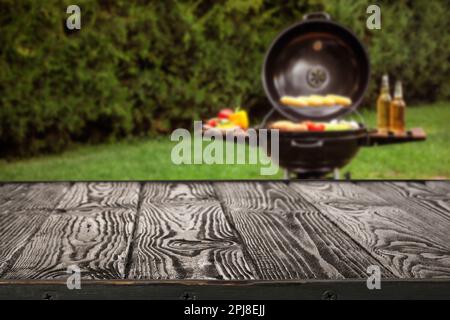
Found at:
(329, 295)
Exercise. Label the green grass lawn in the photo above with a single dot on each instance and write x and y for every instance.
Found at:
(150, 159)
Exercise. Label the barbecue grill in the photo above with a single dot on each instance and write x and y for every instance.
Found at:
(317, 57)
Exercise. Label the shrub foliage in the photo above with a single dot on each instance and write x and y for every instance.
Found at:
(142, 67)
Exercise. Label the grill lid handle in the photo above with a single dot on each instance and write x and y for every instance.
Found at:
(317, 15)
(313, 144)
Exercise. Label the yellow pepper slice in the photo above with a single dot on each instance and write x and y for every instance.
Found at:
(240, 119)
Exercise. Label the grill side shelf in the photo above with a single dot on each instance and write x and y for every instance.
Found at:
(377, 138)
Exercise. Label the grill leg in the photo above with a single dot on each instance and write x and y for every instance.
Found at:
(336, 174)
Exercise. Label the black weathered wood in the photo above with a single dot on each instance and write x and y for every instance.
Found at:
(23, 209)
(286, 237)
(10, 193)
(441, 187)
(258, 230)
(414, 197)
(16, 229)
(409, 244)
(183, 234)
(95, 240)
(226, 290)
(178, 192)
(39, 196)
(101, 195)
(91, 228)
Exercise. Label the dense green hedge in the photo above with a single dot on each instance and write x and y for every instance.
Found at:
(141, 67)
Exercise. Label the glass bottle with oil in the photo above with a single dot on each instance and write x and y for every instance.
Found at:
(384, 106)
(398, 108)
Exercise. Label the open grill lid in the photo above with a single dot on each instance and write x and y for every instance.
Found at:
(316, 57)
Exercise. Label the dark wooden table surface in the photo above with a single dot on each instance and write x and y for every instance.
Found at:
(200, 239)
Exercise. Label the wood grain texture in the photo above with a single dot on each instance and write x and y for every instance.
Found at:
(95, 240)
(410, 245)
(226, 231)
(101, 195)
(287, 238)
(178, 192)
(16, 229)
(183, 234)
(39, 196)
(414, 197)
(441, 187)
(9, 192)
(23, 209)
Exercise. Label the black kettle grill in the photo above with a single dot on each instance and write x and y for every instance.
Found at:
(316, 57)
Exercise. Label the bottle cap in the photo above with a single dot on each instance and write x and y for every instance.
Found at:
(385, 81)
(398, 90)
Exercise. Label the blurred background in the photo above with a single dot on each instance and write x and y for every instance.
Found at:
(101, 102)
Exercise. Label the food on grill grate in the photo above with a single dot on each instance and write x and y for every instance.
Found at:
(294, 102)
(340, 100)
(316, 101)
(289, 126)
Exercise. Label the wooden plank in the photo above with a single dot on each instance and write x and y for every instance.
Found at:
(287, 238)
(10, 191)
(95, 240)
(101, 195)
(37, 196)
(391, 289)
(179, 192)
(16, 229)
(410, 245)
(23, 209)
(183, 234)
(442, 187)
(414, 197)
